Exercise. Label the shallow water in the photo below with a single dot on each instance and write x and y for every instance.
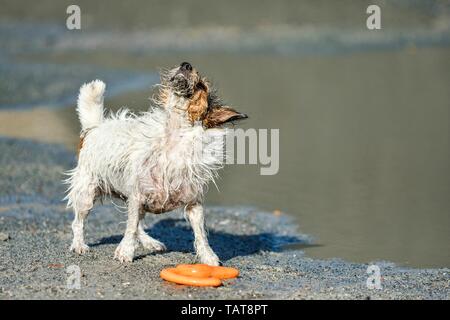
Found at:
(363, 119)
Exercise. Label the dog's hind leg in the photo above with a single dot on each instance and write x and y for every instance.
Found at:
(125, 251)
(148, 242)
(81, 197)
(78, 244)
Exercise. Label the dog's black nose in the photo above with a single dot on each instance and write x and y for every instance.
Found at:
(186, 66)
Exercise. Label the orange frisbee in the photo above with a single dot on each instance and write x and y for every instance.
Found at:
(199, 275)
(224, 272)
(194, 270)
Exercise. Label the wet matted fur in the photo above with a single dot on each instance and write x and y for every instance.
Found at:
(157, 161)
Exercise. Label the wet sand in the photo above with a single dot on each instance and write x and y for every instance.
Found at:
(36, 235)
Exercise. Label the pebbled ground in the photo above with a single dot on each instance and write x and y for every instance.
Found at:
(35, 236)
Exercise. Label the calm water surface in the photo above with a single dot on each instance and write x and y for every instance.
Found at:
(364, 144)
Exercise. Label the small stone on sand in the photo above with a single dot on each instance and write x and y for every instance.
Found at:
(4, 236)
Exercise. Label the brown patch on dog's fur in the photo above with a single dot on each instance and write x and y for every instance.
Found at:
(211, 116)
(198, 103)
(80, 145)
(81, 141)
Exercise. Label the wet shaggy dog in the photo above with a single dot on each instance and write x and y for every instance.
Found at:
(156, 161)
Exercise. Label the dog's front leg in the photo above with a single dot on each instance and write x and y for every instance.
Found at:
(148, 242)
(125, 250)
(196, 217)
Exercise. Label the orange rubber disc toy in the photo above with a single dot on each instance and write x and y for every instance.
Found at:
(199, 275)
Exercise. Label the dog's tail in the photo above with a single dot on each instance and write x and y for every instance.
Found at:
(90, 104)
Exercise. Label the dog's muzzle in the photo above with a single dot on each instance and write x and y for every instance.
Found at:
(184, 70)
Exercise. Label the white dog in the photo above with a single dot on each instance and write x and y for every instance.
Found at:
(157, 161)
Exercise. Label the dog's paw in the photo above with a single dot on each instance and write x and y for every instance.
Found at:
(151, 244)
(79, 248)
(210, 258)
(124, 253)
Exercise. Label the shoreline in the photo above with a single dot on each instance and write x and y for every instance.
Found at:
(38, 228)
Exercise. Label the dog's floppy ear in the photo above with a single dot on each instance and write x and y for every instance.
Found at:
(217, 116)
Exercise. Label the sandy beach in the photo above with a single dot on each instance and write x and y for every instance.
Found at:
(35, 229)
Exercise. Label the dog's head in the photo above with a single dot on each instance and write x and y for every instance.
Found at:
(181, 80)
(203, 104)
